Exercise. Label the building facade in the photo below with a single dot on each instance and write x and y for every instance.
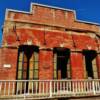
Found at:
(48, 43)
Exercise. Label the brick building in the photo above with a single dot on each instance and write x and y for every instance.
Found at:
(49, 43)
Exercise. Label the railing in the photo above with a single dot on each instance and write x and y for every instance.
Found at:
(41, 89)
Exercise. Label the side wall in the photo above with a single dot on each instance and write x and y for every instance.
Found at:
(8, 63)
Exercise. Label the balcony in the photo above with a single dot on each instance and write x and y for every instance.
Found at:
(43, 89)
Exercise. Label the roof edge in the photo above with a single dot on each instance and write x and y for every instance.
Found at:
(54, 7)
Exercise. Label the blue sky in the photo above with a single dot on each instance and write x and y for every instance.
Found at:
(86, 10)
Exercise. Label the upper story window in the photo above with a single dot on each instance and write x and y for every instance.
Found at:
(62, 69)
(90, 66)
(28, 60)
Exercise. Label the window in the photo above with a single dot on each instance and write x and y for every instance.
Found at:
(61, 61)
(27, 68)
(95, 68)
(85, 71)
(68, 69)
(20, 65)
(27, 64)
(55, 66)
(35, 68)
(90, 66)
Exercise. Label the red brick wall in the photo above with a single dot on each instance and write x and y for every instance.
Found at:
(0, 59)
(46, 64)
(85, 42)
(53, 39)
(77, 69)
(44, 15)
(9, 56)
(56, 22)
(51, 16)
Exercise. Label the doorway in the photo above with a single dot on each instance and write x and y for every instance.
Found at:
(90, 63)
(27, 67)
(62, 63)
